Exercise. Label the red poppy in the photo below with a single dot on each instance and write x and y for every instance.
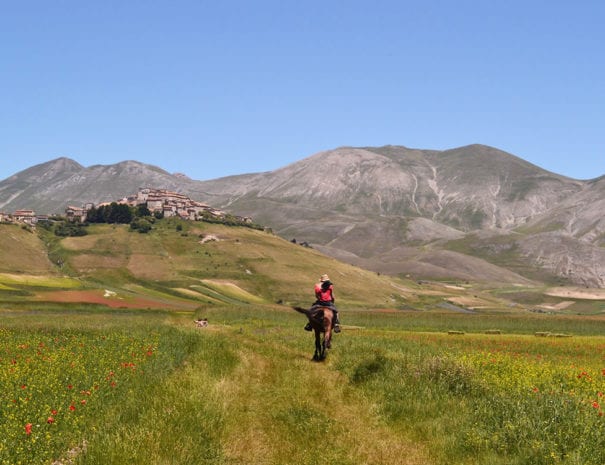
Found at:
(72, 407)
(50, 420)
(28, 429)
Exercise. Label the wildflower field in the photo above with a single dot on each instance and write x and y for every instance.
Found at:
(488, 399)
(60, 385)
(83, 386)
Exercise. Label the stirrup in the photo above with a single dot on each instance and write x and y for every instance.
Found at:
(308, 327)
(337, 328)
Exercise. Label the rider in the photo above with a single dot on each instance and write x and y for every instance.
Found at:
(324, 295)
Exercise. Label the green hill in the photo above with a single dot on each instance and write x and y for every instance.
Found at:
(195, 265)
(199, 263)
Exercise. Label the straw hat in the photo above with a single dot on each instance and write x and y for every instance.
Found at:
(324, 277)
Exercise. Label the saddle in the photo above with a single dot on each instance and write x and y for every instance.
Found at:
(318, 315)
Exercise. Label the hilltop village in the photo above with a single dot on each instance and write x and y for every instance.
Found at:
(159, 202)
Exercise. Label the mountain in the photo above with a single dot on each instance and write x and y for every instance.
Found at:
(422, 212)
(470, 188)
(473, 212)
(52, 186)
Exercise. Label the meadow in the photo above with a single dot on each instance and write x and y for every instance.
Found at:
(99, 386)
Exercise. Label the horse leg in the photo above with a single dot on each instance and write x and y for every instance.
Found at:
(317, 354)
(328, 331)
(322, 349)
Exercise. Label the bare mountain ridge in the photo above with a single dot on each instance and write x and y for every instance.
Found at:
(363, 204)
(390, 209)
(468, 188)
(52, 186)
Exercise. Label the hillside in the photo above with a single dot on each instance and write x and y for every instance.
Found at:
(23, 251)
(201, 265)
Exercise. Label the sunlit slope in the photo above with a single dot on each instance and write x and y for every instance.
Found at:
(181, 263)
(184, 265)
(22, 251)
(220, 264)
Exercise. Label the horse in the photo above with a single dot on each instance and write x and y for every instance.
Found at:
(322, 322)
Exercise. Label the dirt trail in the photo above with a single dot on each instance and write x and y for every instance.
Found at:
(285, 409)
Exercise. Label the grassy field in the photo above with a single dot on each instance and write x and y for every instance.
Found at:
(422, 373)
(146, 387)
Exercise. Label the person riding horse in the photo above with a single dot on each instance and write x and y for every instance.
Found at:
(324, 295)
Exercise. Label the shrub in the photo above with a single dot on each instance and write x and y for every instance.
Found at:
(141, 225)
(67, 229)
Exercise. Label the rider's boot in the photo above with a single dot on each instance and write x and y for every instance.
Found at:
(336, 323)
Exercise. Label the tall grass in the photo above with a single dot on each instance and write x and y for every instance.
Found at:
(486, 399)
(66, 385)
(175, 418)
(244, 390)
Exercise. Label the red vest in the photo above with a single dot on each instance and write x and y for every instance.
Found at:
(324, 296)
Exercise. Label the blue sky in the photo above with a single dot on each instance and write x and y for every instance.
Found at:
(213, 88)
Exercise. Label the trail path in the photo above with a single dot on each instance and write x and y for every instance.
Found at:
(285, 409)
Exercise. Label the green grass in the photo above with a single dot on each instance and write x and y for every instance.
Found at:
(265, 267)
(68, 379)
(486, 400)
(511, 323)
(396, 388)
(38, 281)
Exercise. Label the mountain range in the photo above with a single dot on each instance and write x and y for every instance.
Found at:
(469, 213)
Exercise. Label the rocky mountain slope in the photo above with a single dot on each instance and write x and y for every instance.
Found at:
(52, 186)
(399, 210)
(472, 212)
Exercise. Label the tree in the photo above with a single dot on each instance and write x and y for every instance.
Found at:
(141, 225)
(119, 213)
(142, 210)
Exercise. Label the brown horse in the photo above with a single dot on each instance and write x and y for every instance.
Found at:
(322, 322)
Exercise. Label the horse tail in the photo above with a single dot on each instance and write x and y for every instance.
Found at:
(302, 310)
